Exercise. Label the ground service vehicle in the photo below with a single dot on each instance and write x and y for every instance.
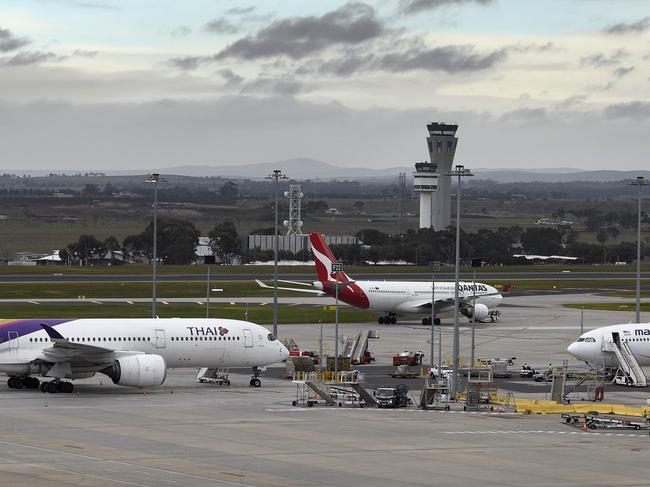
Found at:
(408, 358)
(392, 397)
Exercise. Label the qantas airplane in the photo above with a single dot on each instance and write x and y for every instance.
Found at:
(132, 352)
(396, 297)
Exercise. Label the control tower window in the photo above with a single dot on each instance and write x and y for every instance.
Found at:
(450, 146)
(430, 146)
(438, 146)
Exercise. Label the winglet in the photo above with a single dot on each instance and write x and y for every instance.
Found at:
(261, 284)
(54, 335)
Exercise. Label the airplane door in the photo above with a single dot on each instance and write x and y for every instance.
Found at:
(248, 338)
(12, 336)
(160, 338)
(616, 339)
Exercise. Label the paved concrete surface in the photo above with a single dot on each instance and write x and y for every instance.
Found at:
(184, 433)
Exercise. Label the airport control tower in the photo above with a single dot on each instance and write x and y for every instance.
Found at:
(441, 142)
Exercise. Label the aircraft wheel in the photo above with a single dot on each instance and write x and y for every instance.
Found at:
(393, 320)
(67, 387)
(425, 321)
(10, 382)
(436, 321)
(43, 387)
(18, 383)
(256, 382)
(51, 387)
(380, 320)
(32, 383)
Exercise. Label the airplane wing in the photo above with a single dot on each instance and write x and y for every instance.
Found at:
(447, 302)
(65, 355)
(298, 290)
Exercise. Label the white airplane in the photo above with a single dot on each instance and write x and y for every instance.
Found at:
(132, 352)
(596, 346)
(396, 297)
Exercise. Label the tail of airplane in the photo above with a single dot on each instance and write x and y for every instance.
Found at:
(324, 258)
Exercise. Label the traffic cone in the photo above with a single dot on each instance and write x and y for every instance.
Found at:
(584, 426)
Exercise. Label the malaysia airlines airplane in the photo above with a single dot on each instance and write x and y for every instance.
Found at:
(596, 346)
(132, 352)
(397, 297)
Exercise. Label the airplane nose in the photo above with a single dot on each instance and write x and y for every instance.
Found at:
(573, 349)
(284, 352)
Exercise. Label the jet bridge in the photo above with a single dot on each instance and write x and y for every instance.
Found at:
(629, 369)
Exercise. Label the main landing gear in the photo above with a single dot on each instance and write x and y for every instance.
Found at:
(255, 380)
(57, 386)
(23, 383)
(387, 319)
(427, 321)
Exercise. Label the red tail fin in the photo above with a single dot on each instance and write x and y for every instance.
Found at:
(324, 258)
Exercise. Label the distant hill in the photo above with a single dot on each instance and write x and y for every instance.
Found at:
(524, 176)
(305, 168)
(300, 168)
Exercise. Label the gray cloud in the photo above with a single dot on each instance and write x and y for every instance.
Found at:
(214, 132)
(181, 31)
(220, 26)
(417, 6)
(282, 87)
(241, 10)
(9, 42)
(620, 72)
(189, 63)
(637, 27)
(635, 110)
(599, 59)
(25, 58)
(525, 115)
(352, 23)
(450, 59)
(84, 53)
(571, 102)
(231, 77)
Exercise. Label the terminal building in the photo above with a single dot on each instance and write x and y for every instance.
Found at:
(431, 180)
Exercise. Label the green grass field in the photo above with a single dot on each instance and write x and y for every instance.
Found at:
(189, 289)
(645, 307)
(256, 314)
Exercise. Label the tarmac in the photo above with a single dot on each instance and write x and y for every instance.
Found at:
(186, 433)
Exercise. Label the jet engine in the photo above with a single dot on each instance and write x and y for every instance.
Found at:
(479, 311)
(138, 371)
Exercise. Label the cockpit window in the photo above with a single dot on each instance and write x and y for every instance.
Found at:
(581, 339)
(590, 340)
(271, 337)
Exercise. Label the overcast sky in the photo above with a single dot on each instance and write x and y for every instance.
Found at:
(117, 84)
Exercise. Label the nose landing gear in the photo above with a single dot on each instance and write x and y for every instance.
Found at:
(255, 380)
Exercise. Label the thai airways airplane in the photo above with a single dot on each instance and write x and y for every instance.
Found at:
(132, 352)
(397, 297)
